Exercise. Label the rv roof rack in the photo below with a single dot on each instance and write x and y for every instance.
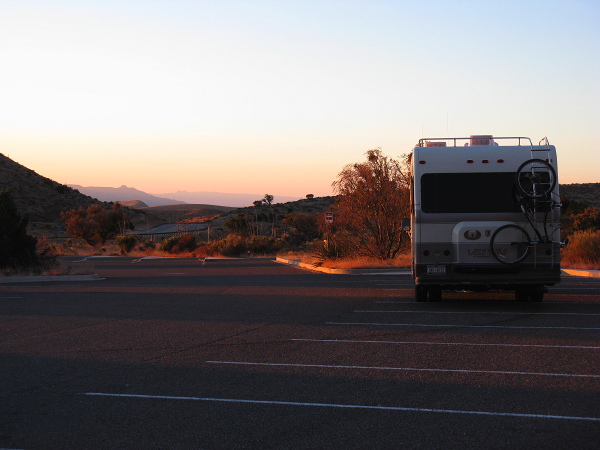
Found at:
(477, 140)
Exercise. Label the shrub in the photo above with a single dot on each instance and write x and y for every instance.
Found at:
(583, 250)
(96, 225)
(179, 244)
(330, 249)
(147, 245)
(20, 252)
(233, 245)
(126, 243)
(374, 198)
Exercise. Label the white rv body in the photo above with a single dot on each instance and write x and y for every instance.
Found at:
(463, 190)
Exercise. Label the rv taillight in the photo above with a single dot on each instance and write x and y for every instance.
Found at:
(425, 252)
(421, 162)
(446, 252)
(500, 160)
(469, 161)
(485, 161)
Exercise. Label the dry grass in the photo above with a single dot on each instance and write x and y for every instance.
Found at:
(583, 251)
(81, 249)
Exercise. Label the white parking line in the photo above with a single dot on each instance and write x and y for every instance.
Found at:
(394, 302)
(406, 369)
(335, 405)
(353, 341)
(480, 312)
(455, 326)
(570, 289)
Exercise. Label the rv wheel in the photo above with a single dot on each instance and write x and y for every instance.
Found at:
(435, 294)
(421, 293)
(522, 295)
(536, 294)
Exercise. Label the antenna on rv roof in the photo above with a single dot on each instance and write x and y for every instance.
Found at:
(447, 132)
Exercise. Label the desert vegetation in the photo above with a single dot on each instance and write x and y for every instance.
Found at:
(372, 197)
(581, 227)
(20, 252)
(95, 225)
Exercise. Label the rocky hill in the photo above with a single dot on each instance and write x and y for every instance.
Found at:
(42, 200)
(37, 197)
(587, 193)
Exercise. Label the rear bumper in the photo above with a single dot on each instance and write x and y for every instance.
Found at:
(489, 276)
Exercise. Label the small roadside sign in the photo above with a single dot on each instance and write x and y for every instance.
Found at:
(329, 217)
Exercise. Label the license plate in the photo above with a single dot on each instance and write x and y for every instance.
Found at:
(436, 270)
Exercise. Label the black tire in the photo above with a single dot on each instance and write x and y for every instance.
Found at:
(421, 293)
(435, 294)
(510, 244)
(536, 294)
(522, 295)
(536, 178)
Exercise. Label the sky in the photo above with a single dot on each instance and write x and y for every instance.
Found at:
(254, 96)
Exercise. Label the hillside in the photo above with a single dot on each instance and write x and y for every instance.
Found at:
(588, 193)
(315, 205)
(42, 200)
(158, 215)
(37, 197)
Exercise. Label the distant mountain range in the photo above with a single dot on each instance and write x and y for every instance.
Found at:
(126, 194)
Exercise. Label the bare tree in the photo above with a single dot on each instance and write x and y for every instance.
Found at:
(373, 198)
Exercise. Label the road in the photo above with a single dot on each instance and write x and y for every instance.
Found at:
(180, 353)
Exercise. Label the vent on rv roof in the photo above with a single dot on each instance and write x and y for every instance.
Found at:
(435, 144)
(483, 139)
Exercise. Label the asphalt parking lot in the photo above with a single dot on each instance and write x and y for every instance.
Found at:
(184, 353)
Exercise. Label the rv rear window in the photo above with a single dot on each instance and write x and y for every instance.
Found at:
(468, 192)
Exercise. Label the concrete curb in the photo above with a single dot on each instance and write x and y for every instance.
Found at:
(382, 271)
(45, 278)
(582, 273)
(404, 271)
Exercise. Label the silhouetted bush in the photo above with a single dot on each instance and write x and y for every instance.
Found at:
(19, 252)
(179, 244)
(147, 245)
(95, 225)
(126, 243)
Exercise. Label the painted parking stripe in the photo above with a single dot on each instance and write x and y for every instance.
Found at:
(455, 326)
(479, 312)
(406, 369)
(334, 405)
(546, 302)
(354, 341)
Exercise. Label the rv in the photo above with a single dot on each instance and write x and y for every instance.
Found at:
(485, 216)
